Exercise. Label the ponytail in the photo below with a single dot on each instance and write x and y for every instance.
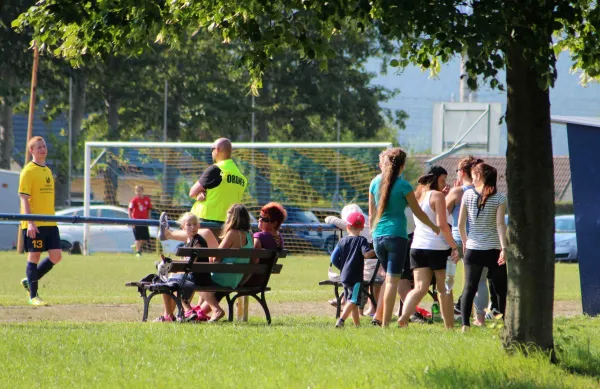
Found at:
(489, 176)
(391, 162)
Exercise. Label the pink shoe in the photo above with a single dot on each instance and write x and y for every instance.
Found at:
(201, 315)
(165, 319)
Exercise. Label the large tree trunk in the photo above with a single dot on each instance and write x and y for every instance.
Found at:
(530, 177)
(111, 183)
(6, 133)
(78, 108)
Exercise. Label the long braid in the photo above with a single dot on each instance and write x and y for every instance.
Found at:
(489, 176)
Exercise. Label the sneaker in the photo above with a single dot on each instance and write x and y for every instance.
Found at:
(138, 255)
(418, 318)
(163, 226)
(339, 323)
(200, 313)
(190, 316)
(494, 314)
(457, 309)
(425, 313)
(25, 284)
(165, 319)
(38, 302)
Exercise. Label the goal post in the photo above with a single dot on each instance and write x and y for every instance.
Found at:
(303, 176)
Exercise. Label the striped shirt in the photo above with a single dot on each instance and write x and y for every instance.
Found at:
(483, 233)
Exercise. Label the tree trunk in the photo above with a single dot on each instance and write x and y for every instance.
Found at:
(78, 108)
(6, 134)
(111, 183)
(530, 177)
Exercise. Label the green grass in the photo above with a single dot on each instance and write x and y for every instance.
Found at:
(293, 352)
(100, 279)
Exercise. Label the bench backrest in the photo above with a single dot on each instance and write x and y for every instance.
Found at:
(259, 273)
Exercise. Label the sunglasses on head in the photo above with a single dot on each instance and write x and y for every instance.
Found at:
(265, 219)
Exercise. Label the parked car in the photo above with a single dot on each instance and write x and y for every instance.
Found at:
(106, 237)
(305, 239)
(565, 238)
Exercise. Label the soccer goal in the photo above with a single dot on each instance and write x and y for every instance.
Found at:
(307, 178)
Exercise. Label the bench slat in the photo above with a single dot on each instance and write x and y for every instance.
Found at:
(179, 266)
(229, 253)
(277, 268)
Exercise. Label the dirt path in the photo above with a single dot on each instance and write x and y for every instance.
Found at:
(133, 312)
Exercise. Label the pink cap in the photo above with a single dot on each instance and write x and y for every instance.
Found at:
(356, 219)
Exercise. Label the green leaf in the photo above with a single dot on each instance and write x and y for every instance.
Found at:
(394, 63)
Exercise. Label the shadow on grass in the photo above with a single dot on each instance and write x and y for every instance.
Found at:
(577, 355)
(466, 377)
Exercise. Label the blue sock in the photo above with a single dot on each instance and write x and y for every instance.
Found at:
(44, 267)
(32, 278)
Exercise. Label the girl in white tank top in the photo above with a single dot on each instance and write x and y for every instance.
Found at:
(429, 252)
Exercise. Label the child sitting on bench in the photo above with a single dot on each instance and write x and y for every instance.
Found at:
(195, 238)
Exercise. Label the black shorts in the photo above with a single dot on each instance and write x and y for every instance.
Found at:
(141, 233)
(48, 238)
(353, 293)
(407, 274)
(433, 259)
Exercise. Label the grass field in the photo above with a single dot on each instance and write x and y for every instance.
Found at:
(297, 351)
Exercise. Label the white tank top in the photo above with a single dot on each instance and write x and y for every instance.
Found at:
(425, 238)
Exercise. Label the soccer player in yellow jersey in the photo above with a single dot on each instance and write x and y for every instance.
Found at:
(36, 189)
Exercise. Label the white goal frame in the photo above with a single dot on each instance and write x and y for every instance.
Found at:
(88, 163)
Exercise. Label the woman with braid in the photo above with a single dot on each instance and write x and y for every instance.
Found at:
(484, 208)
(389, 195)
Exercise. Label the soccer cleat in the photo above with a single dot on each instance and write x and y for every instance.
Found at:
(419, 318)
(494, 314)
(163, 226)
(25, 284)
(38, 302)
(138, 255)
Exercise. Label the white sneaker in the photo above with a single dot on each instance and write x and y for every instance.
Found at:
(163, 226)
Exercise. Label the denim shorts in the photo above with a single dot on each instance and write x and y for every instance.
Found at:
(391, 252)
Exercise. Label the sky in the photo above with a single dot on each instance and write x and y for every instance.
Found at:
(419, 92)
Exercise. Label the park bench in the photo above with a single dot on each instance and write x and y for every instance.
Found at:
(368, 288)
(257, 275)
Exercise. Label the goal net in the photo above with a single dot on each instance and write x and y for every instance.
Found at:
(310, 180)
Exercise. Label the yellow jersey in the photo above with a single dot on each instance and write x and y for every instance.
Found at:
(37, 182)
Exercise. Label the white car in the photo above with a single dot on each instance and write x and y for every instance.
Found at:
(105, 237)
(565, 239)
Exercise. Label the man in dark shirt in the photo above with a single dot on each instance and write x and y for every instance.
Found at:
(349, 257)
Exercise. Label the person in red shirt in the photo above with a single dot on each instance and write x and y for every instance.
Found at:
(139, 208)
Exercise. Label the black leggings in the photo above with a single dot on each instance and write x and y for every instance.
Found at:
(475, 261)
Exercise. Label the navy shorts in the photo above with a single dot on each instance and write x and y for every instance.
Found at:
(353, 293)
(391, 252)
(46, 239)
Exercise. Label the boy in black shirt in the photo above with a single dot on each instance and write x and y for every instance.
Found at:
(349, 257)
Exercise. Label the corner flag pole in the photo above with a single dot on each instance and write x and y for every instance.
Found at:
(34, 71)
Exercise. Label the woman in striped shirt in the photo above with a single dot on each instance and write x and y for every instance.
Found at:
(484, 208)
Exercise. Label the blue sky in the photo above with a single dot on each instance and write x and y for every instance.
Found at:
(418, 93)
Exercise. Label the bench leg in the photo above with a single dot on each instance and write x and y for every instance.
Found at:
(263, 303)
(230, 302)
(338, 309)
(177, 301)
(146, 304)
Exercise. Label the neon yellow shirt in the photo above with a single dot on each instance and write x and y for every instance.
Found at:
(228, 189)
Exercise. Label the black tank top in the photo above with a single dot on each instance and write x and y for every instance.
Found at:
(199, 279)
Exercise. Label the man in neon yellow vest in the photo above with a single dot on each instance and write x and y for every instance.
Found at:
(220, 186)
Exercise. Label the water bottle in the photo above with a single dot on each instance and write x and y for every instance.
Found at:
(450, 272)
(435, 310)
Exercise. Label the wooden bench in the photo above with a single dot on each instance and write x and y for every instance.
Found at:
(255, 286)
(368, 288)
(369, 291)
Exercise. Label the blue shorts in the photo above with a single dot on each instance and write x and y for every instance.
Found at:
(48, 238)
(391, 252)
(353, 293)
